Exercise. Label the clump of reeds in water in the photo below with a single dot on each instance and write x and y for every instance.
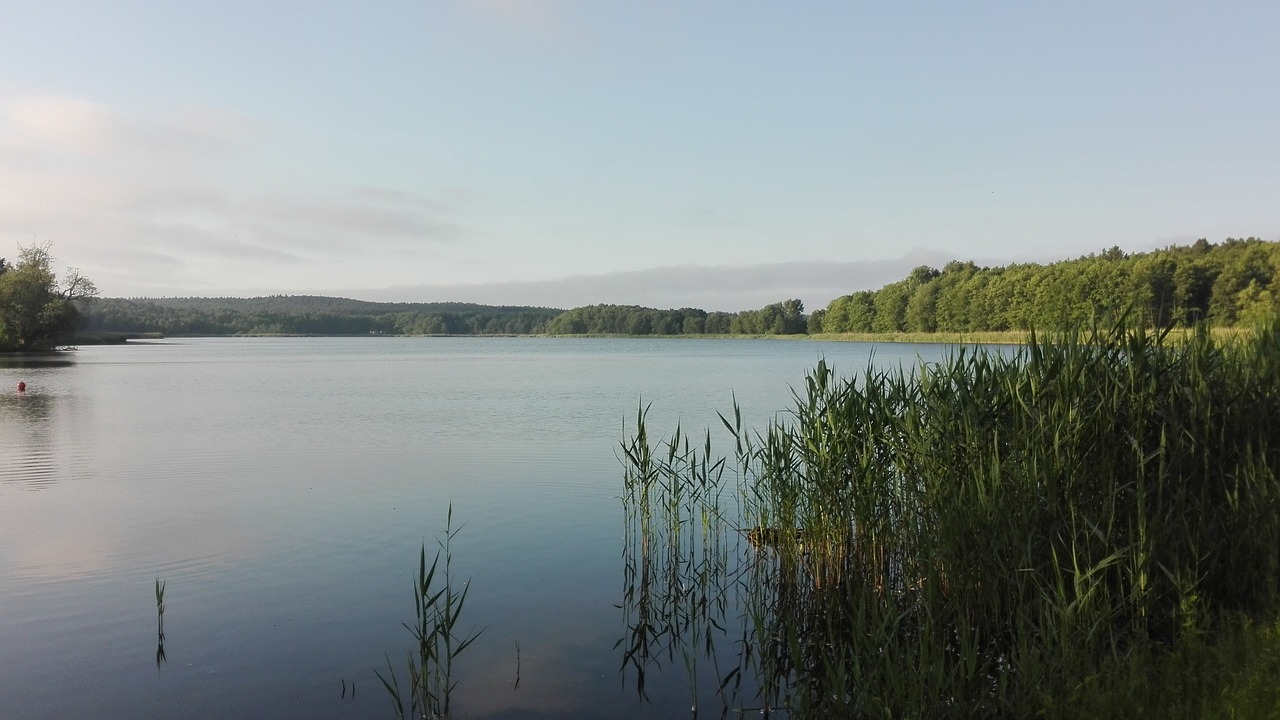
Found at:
(438, 639)
(975, 536)
(675, 558)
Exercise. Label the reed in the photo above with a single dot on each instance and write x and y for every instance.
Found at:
(160, 657)
(438, 640)
(976, 536)
(675, 560)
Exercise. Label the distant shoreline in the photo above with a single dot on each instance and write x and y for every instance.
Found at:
(985, 338)
(991, 337)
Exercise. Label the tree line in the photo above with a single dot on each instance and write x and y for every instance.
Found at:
(313, 315)
(784, 318)
(1223, 283)
(309, 315)
(1226, 283)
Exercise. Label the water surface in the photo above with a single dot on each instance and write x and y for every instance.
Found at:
(282, 489)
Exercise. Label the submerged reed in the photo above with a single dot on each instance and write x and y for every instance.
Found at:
(973, 538)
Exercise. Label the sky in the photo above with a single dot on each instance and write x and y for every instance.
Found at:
(721, 154)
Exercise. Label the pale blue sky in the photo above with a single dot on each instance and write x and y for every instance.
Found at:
(238, 148)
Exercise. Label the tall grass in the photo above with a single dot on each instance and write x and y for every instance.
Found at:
(979, 536)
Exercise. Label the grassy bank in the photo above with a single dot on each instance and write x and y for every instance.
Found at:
(1068, 531)
(998, 337)
(992, 337)
(1229, 674)
(987, 337)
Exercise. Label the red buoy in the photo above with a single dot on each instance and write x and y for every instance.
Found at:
(22, 387)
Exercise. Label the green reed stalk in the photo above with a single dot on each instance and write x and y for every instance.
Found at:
(674, 557)
(976, 535)
(437, 610)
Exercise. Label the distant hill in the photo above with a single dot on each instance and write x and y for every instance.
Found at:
(307, 315)
(337, 305)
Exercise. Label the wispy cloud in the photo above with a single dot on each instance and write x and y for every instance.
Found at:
(130, 196)
(334, 221)
(45, 132)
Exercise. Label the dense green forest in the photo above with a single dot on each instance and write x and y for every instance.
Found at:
(311, 315)
(308, 315)
(784, 318)
(1224, 283)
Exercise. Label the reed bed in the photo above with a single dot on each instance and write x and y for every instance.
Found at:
(980, 537)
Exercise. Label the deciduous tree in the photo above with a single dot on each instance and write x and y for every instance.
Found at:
(36, 311)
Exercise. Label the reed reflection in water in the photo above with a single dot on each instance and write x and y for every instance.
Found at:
(160, 658)
(687, 577)
(740, 608)
(988, 537)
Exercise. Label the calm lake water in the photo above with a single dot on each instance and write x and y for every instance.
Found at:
(282, 490)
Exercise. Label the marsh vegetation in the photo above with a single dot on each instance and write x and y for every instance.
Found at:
(1068, 528)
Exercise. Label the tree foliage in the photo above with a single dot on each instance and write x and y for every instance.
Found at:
(1226, 283)
(310, 315)
(37, 313)
(783, 318)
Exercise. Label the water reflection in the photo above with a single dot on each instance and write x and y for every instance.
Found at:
(257, 472)
(28, 414)
(160, 658)
(757, 617)
(29, 406)
(684, 579)
(39, 360)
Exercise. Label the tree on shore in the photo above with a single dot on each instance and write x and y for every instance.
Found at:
(37, 312)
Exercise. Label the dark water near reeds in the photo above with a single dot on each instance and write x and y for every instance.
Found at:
(282, 489)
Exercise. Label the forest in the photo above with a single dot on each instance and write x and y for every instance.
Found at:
(784, 318)
(312, 315)
(307, 315)
(1228, 283)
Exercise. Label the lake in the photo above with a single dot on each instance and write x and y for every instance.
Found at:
(282, 490)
